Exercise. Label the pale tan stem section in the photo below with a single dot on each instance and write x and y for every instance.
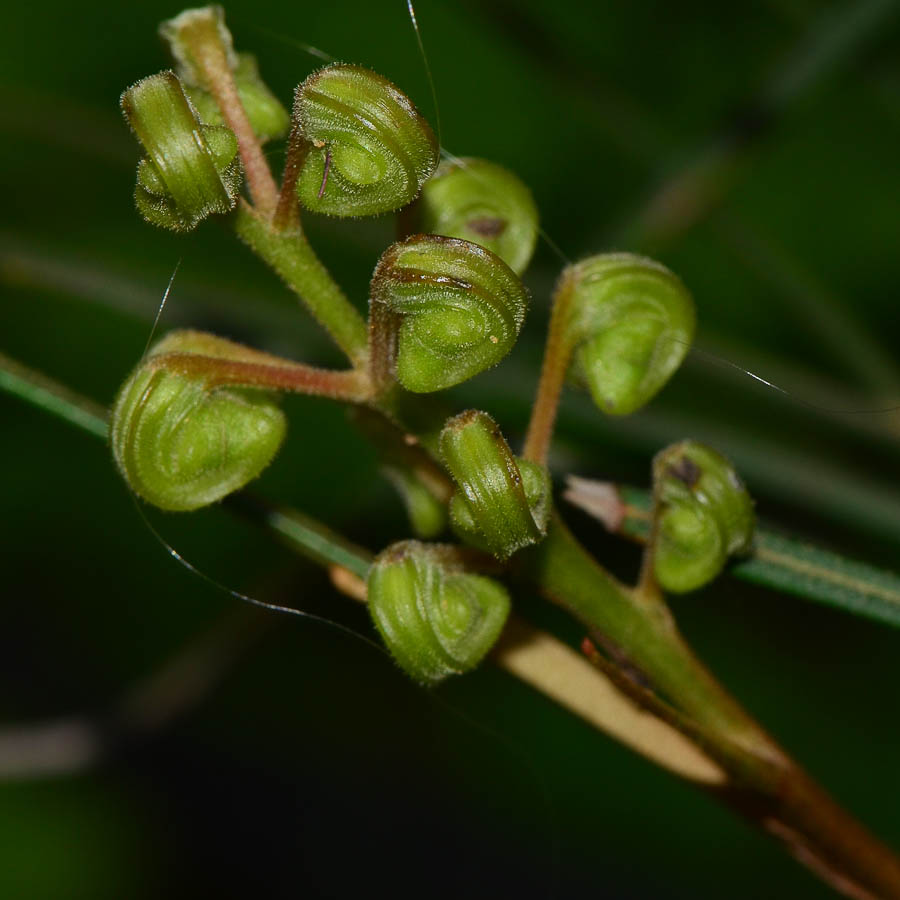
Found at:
(348, 583)
(566, 677)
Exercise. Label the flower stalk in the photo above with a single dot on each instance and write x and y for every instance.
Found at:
(290, 255)
(267, 373)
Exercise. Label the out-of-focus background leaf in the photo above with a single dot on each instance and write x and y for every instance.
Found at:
(753, 148)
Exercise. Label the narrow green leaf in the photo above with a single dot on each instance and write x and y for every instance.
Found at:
(806, 571)
(44, 393)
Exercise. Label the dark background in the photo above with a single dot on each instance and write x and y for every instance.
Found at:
(754, 149)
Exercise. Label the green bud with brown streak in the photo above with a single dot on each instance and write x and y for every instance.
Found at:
(702, 515)
(482, 202)
(182, 445)
(368, 149)
(191, 170)
(442, 310)
(502, 503)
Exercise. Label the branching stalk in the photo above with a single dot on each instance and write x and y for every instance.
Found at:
(290, 255)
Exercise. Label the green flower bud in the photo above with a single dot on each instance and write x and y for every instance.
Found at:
(192, 170)
(268, 117)
(427, 515)
(482, 202)
(502, 503)
(449, 309)
(435, 618)
(631, 324)
(370, 151)
(180, 445)
(702, 515)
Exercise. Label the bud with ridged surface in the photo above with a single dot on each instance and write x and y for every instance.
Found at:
(702, 515)
(368, 149)
(482, 202)
(181, 445)
(442, 310)
(191, 170)
(436, 618)
(630, 323)
(502, 503)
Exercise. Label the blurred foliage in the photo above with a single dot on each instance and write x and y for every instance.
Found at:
(753, 149)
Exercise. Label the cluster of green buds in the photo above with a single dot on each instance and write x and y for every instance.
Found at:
(196, 420)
